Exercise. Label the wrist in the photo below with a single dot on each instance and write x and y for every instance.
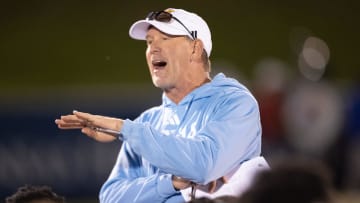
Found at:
(118, 125)
(179, 183)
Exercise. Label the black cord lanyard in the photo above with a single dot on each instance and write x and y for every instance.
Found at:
(193, 191)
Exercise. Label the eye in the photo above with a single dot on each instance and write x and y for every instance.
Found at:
(148, 42)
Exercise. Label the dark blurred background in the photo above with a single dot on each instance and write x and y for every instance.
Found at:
(299, 58)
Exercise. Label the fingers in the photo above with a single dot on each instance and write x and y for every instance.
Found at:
(70, 122)
(65, 126)
(212, 186)
(89, 132)
(84, 116)
(87, 123)
(90, 119)
(71, 119)
(99, 121)
(74, 121)
(180, 183)
(224, 179)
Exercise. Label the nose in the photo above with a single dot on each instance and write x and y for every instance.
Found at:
(154, 47)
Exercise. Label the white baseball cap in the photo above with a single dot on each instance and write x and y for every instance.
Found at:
(182, 23)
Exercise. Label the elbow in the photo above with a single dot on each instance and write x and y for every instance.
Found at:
(104, 195)
(102, 198)
(198, 164)
(203, 177)
(202, 173)
(203, 170)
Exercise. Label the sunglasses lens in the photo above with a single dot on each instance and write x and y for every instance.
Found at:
(163, 16)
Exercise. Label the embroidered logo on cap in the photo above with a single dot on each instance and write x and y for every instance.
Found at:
(169, 10)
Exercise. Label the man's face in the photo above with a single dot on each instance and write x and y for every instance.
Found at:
(168, 58)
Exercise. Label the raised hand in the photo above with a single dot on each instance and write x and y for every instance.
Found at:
(89, 123)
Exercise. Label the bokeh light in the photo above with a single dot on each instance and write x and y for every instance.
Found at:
(313, 58)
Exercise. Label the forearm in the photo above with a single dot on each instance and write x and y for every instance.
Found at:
(155, 188)
(197, 159)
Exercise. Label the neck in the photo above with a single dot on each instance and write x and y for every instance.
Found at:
(176, 94)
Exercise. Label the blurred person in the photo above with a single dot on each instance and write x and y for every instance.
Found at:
(269, 85)
(313, 117)
(226, 199)
(35, 194)
(291, 181)
(204, 130)
(221, 199)
(352, 136)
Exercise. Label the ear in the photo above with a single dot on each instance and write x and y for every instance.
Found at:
(197, 49)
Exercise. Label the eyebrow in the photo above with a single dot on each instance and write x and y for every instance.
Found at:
(147, 37)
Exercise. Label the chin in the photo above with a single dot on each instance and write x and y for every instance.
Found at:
(157, 83)
(160, 85)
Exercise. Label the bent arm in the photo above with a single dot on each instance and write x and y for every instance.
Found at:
(231, 136)
(129, 181)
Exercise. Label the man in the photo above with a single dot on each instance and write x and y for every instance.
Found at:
(203, 130)
(35, 194)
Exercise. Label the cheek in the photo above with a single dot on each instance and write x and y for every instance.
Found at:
(181, 57)
(184, 52)
(147, 57)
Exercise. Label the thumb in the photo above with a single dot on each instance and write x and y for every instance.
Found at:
(98, 136)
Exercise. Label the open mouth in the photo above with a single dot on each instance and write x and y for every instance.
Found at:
(159, 63)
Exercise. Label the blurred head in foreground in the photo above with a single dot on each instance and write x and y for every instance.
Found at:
(300, 182)
(35, 194)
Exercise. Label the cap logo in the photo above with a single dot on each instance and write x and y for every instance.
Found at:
(169, 10)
